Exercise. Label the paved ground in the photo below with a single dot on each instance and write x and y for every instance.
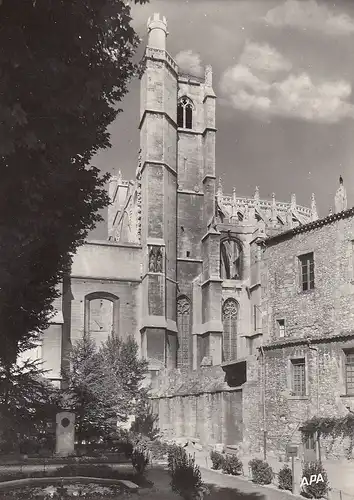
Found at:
(243, 488)
(340, 474)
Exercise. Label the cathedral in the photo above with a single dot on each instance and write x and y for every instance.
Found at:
(222, 293)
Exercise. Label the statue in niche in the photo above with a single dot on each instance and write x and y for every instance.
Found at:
(152, 259)
(230, 264)
(158, 265)
(155, 260)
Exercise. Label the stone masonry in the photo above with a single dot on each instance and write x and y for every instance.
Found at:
(206, 282)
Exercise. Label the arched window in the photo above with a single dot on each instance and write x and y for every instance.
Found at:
(229, 321)
(230, 259)
(185, 113)
(101, 316)
(184, 332)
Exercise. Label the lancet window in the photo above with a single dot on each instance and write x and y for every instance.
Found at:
(185, 113)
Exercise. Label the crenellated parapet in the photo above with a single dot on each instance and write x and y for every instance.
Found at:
(272, 213)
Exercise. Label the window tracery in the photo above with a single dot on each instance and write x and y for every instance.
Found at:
(185, 113)
(229, 320)
(184, 330)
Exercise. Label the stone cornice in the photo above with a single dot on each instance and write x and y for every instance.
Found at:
(287, 342)
(157, 112)
(330, 219)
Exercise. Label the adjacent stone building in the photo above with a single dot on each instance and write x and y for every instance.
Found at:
(307, 361)
(208, 283)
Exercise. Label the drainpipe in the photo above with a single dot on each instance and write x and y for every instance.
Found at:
(264, 406)
(318, 392)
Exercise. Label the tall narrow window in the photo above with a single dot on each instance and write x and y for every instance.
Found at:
(185, 113)
(298, 377)
(255, 318)
(184, 353)
(230, 259)
(229, 319)
(101, 316)
(281, 327)
(349, 372)
(307, 268)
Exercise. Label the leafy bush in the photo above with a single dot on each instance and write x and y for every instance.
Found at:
(217, 460)
(262, 473)
(140, 459)
(186, 476)
(232, 465)
(317, 489)
(285, 478)
(175, 454)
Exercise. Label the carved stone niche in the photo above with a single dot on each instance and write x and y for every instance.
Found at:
(156, 259)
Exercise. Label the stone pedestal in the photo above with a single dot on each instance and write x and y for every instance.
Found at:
(65, 433)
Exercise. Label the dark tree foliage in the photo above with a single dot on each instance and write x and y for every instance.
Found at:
(64, 65)
(28, 405)
(103, 386)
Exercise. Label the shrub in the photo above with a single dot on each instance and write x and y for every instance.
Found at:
(140, 459)
(175, 454)
(318, 489)
(285, 479)
(262, 472)
(232, 465)
(217, 460)
(186, 476)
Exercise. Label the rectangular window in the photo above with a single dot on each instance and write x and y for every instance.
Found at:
(255, 318)
(349, 372)
(281, 327)
(307, 269)
(298, 377)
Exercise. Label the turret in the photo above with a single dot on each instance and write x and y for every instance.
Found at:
(157, 31)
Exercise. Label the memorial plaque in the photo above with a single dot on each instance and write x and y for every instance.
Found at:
(65, 433)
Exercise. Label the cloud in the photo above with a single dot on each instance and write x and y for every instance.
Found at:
(189, 62)
(274, 90)
(263, 57)
(308, 14)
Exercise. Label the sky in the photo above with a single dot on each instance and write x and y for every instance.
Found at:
(283, 73)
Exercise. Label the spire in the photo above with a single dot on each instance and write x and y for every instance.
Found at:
(219, 191)
(119, 177)
(314, 215)
(256, 194)
(234, 198)
(340, 200)
(293, 202)
(274, 209)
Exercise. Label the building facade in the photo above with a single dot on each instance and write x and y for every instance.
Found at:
(307, 361)
(195, 276)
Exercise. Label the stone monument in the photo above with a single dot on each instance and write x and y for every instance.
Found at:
(65, 433)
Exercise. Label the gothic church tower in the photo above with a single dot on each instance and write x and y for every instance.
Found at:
(177, 170)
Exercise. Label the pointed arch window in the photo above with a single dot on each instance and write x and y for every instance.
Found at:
(185, 113)
(184, 331)
(229, 320)
(230, 259)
